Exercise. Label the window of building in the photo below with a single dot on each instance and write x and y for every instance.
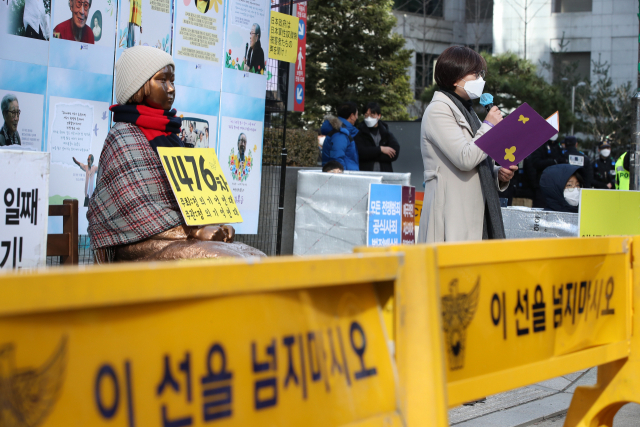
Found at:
(478, 10)
(482, 48)
(428, 7)
(572, 65)
(566, 6)
(425, 64)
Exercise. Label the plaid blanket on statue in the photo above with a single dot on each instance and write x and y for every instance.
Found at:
(133, 199)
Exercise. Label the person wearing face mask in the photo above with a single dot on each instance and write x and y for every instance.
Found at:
(561, 186)
(461, 199)
(377, 147)
(604, 168)
(133, 214)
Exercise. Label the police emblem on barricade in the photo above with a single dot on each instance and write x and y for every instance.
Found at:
(458, 310)
(27, 395)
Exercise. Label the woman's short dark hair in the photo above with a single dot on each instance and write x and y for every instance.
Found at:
(455, 63)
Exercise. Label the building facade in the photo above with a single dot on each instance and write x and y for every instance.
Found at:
(578, 33)
(431, 26)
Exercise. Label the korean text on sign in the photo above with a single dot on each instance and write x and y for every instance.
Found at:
(390, 219)
(199, 185)
(24, 209)
(283, 37)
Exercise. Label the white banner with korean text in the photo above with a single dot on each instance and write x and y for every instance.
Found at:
(24, 179)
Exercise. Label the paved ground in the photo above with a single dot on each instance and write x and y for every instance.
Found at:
(548, 401)
(628, 416)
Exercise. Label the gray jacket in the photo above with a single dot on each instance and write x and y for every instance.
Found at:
(453, 207)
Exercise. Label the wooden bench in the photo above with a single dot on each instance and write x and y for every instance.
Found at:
(65, 245)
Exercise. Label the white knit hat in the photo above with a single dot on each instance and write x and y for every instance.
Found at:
(135, 67)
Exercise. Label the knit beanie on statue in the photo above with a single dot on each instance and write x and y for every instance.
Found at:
(135, 67)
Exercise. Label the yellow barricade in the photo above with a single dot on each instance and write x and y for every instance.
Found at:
(305, 341)
(510, 314)
(243, 343)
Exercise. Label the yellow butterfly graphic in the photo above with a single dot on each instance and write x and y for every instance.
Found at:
(509, 153)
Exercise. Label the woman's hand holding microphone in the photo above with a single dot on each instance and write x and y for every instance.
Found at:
(494, 116)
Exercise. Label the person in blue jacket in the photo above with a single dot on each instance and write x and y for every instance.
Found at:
(340, 132)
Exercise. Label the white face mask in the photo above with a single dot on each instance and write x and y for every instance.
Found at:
(474, 88)
(605, 153)
(370, 121)
(572, 196)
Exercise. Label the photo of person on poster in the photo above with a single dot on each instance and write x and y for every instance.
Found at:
(135, 20)
(76, 28)
(254, 55)
(11, 113)
(36, 20)
(96, 25)
(29, 18)
(90, 170)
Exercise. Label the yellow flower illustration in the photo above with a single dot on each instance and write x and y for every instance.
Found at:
(233, 62)
(215, 4)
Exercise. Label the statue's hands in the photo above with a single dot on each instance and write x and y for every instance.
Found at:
(231, 233)
(222, 233)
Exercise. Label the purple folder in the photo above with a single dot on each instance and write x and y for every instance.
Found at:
(515, 137)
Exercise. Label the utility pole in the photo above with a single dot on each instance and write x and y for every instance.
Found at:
(634, 161)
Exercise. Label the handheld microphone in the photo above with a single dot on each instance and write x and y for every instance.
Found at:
(486, 100)
(246, 49)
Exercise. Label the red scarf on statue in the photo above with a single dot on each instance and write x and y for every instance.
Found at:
(161, 127)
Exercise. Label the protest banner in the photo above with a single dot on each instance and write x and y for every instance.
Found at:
(23, 228)
(390, 218)
(283, 40)
(301, 58)
(199, 185)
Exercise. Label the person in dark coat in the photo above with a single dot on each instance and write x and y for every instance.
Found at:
(561, 186)
(548, 154)
(377, 147)
(254, 60)
(576, 157)
(604, 168)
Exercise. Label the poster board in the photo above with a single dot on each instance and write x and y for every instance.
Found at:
(78, 123)
(25, 27)
(27, 83)
(94, 53)
(241, 136)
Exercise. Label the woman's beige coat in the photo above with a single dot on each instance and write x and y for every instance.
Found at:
(453, 207)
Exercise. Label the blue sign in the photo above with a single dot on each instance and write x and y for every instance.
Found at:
(302, 29)
(384, 226)
(299, 94)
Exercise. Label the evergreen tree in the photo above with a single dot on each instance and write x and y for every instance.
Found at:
(608, 112)
(352, 55)
(513, 80)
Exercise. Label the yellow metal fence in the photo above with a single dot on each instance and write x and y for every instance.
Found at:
(382, 337)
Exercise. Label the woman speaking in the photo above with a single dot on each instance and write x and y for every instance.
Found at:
(461, 183)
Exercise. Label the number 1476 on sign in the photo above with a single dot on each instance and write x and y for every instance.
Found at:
(199, 185)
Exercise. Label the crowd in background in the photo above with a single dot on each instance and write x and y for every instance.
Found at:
(542, 181)
(365, 146)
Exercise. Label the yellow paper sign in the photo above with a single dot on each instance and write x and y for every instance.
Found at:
(609, 213)
(199, 185)
(283, 37)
